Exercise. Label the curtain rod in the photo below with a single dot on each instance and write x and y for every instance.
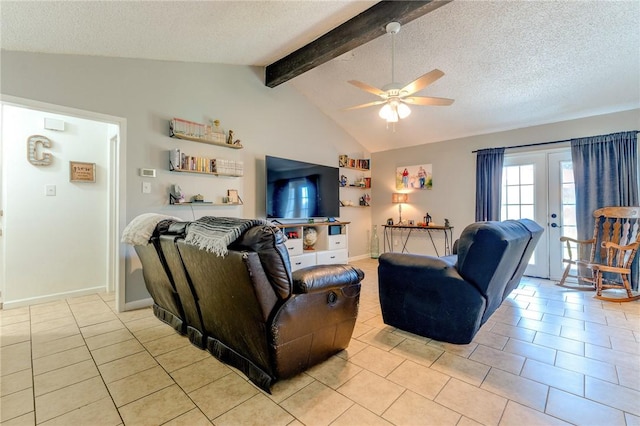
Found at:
(537, 144)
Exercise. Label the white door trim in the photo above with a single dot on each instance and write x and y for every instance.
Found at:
(117, 187)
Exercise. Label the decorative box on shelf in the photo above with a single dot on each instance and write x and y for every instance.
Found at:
(198, 132)
(354, 163)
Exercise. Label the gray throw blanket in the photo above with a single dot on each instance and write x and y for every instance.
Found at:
(214, 234)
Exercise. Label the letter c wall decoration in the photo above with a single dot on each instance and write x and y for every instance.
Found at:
(45, 158)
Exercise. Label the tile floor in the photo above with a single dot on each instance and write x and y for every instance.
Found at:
(547, 356)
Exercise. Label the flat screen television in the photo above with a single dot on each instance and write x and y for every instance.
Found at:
(299, 190)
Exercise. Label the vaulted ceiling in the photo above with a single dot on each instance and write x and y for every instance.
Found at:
(507, 64)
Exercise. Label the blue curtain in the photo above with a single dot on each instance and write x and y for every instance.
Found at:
(605, 169)
(488, 183)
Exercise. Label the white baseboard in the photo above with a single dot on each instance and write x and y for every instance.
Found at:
(10, 304)
(138, 304)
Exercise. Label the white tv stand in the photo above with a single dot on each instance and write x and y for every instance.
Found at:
(331, 246)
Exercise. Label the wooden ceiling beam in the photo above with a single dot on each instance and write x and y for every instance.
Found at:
(357, 31)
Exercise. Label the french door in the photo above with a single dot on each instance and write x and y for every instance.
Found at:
(539, 186)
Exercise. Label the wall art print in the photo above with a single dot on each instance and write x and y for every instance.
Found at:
(414, 177)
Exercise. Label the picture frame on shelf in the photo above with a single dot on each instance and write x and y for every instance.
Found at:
(234, 198)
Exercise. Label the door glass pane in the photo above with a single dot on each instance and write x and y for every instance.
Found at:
(518, 194)
(568, 204)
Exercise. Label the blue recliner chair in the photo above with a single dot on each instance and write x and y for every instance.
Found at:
(449, 298)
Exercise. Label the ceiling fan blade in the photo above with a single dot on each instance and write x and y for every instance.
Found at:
(423, 100)
(374, 103)
(367, 88)
(421, 82)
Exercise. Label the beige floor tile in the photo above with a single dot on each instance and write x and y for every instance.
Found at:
(107, 339)
(589, 367)
(144, 322)
(116, 351)
(55, 346)
(357, 415)
(50, 315)
(519, 333)
(531, 350)
(629, 377)
(222, 395)
(334, 372)
(477, 404)
(354, 347)
(139, 385)
(94, 318)
(490, 339)
(316, 404)
(6, 315)
(283, 389)
(152, 333)
(15, 382)
(64, 321)
(65, 376)
(57, 403)
(625, 345)
(56, 334)
(256, 411)
(15, 358)
(498, 359)
(560, 378)
(519, 415)
(610, 356)
(413, 409)
(462, 368)
(166, 344)
(127, 366)
(522, 390)
(563, 321)
(383, 339)
(99, 413)
(15, 333)
(585, 336)
(181, 357)
(419, 379)
(418, 352)
(28, 419)
(190, 418)
(613, 395)
(157, 408)
(361, 329)
(559, 343)
(544, 327)
(376, 360)
(60, 359)
(16, 404)
(577, 410)
(200, 373)
(24, 316)
(631, 420)
(371, 391)
(83, 299)
(101, 328)
(460, 350)
(135, 314)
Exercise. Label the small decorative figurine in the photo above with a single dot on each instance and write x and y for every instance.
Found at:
(230, 138)
(343, 180)
(446, 223)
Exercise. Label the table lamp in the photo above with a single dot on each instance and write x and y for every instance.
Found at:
(399, 198)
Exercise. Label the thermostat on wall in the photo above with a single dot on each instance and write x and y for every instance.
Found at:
(148, 172)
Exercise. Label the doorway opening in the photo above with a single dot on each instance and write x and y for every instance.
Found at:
(112, 172)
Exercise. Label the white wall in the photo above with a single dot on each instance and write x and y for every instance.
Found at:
(454, 168)
(53, 244)
(278, 122)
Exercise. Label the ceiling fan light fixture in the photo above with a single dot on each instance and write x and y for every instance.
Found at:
(389, 112)
(403, 110)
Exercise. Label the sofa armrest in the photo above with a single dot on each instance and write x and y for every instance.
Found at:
(325, 277)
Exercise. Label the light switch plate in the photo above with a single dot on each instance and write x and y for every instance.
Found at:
(50, 190)
(146, 188)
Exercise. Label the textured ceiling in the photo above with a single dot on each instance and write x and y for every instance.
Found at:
(507, 64)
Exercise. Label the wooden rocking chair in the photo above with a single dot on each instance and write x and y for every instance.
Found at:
(611, 251)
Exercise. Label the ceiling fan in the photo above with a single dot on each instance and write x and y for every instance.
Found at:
(396, 97)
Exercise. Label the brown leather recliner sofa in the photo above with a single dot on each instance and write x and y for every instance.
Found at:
(246, 307)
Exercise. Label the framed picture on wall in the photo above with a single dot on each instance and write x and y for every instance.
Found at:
(233, 196)
(82, 172)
